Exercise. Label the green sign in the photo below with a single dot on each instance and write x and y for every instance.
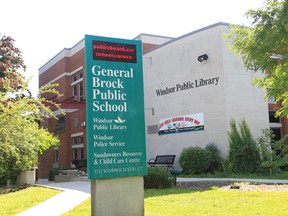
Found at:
(114, 108)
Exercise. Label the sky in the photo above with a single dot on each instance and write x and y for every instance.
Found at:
(42, 28)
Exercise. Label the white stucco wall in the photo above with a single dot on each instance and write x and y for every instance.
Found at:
(233, 96)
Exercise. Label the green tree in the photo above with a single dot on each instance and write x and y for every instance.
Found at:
(264, 47)
(10, 60)
(21, 138)
(244, 155)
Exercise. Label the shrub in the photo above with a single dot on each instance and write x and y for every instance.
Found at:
(266, 141)
(270, 166)
(244, 154)
(52, 173)
(274, 154)
(158, 178)
(283, 156)
(195, 160)
(216, 159)
(226, 167)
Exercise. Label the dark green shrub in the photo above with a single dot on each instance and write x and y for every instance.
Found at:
(158, 178)
(194, 160)
(269, 166)
(8, 171)
(216, 159)
(280, 153)
(226, 167)
(52, 173)
(283, 164)
(244, 153)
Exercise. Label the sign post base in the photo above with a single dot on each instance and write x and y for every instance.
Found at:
(117, 196)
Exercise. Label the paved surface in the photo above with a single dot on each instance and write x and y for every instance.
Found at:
(75, 193)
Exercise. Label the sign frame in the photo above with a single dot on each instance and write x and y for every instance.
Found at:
(115, 121)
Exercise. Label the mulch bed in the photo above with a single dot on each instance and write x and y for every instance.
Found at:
(241, 186)
(14, 188)
(248, 187)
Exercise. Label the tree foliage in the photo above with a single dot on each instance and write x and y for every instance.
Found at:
(10, 60)
(244, 154)
(259, 45)
(274, 154)
(21, 138)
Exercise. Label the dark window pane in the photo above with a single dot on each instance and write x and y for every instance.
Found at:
(60, 125)
(272, 118)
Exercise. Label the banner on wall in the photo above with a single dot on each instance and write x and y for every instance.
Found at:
(179, 124)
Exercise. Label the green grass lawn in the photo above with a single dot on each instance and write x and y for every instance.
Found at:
(168, 202)
(210, 202)
(16, 202)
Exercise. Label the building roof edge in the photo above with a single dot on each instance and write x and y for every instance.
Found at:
(62, 52)
(190, 33)
(152, 35)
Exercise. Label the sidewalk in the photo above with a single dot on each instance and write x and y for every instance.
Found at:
(75, 193)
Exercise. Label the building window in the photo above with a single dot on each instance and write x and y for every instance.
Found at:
(271, 100)
(272, 118)
(78, 153)
(77, 85)
(277, 133)
(81, 91)
(75, 153)
(77, 146)
(81, 139)
(56, 156)
(81, 153)
(78, 140)
(60, 125)
(74, 90)
(74, 77)
(275, 125)
(74, 140)
(80, 73)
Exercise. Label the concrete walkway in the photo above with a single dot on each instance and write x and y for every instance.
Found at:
(75, 193)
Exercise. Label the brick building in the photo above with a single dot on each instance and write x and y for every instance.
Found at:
(67, 69)
(162, 56)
